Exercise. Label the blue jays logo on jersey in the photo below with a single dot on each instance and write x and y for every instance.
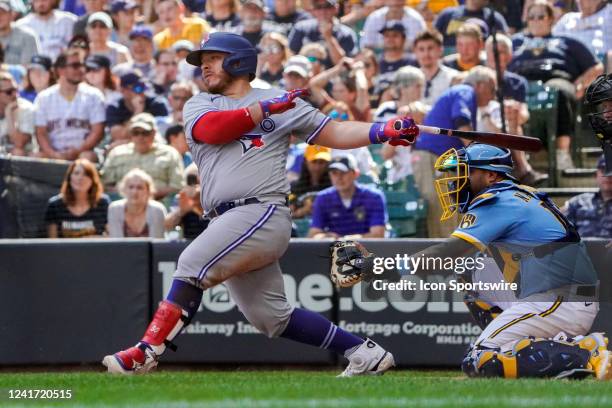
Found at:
(251, 141)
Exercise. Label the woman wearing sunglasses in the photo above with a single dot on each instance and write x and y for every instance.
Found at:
(274, 52)
(560, 62)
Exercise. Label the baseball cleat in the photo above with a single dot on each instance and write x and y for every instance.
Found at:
(601, 357)
(368, 359)
(139, 359)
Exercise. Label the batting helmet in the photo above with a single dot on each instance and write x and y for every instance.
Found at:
(599, 91)
(454, 189)
(241, 58)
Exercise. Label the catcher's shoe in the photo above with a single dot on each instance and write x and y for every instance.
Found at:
(601, 357)
(368, 359)
(139, 359)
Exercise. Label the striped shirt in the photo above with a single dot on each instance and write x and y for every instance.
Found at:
(53, 33)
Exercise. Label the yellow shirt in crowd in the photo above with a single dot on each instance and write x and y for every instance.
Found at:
(193, 30)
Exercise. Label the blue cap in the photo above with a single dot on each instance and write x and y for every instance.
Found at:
(141, 31)
(123, 5)
(133, 80)
(394, 25)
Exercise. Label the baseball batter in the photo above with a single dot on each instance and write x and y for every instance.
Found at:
(544, 332)
(239, 139)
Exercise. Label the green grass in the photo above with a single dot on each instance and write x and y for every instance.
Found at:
(400, 388)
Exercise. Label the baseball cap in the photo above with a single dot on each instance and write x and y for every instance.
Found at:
(316, 152)
(298, 64)
(142, 120)
(123, 5)
(394, 25)
(41, 62)
(324, 3)
(6, 5)
(142, 32)
(102, 17)
(134, 81)
(257, 3)
(97, 61)
(344, 164)
(182, 45)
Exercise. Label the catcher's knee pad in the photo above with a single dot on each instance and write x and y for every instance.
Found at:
(532, 357)
(482, 312)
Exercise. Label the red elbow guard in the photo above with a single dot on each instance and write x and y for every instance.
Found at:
(220, 127)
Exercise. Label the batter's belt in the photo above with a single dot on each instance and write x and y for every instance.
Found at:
(228, 205)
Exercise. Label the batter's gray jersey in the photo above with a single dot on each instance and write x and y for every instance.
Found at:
(253, 165)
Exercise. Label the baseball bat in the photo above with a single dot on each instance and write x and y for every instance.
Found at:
(516, 142)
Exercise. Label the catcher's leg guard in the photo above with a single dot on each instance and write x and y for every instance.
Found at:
(530, 358)
(168, 321)
(600, 360)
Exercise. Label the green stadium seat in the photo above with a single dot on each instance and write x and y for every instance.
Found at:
(302, 225)
(406, 212)
(542, 104)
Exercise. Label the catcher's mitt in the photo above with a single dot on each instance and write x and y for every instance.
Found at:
(350, 263)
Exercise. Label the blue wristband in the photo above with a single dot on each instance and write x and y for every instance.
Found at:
(265, 108)
(376, 133)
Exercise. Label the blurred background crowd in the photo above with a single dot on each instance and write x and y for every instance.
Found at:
(102, 85)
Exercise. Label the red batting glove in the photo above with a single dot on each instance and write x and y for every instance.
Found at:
(282, 103)
(399, 131)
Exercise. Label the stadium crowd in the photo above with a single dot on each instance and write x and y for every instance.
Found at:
(102, 84)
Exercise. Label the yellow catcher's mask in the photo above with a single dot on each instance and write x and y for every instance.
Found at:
(454, 183)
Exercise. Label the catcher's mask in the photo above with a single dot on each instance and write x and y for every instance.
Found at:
(453, 188)
(599, 91)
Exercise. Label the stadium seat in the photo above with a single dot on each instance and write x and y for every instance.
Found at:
(406, 213)
(302, 225)
(542, 104)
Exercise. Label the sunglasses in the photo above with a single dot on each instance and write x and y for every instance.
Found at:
(537, 17)
(334, 114)
(313, 59)
(79, 44)
(272, 49)
(141, 133)
(90, 69)
(75, 65)
(9, 91)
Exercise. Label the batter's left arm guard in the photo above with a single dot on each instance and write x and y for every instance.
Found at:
(282, 103)
(399, 131)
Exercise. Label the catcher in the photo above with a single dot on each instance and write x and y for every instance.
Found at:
(545, 332)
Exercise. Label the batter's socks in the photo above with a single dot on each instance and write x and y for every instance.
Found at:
(186, 296)
(311, 328)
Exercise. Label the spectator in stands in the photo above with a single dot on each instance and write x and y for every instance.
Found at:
(137, 215)
(141, 50)
(180, 93)
(16, 119)
(18, 43)
(428, 52)
(91, 7)
(347, 209)
(393, 57)
(53, 27)
(275, 52)
(408, 86)
(591, 213)
(79, 43)
(394, 10)
(430, 9)
(162, 162)
(166, 71)
(80, 209)
(370, 64)
(339, 39)
(284, 16)
(99, 26)
(312, 179)
(469, 49)
(99, 75)
(185, 70)
(591, 25)
(563, 63)
(222, 15)
(514, 91)
(39, 77)
(69, 115)
(452, 18)
(177, 26)
(349, 85)
(175, 137)
(252, 15)
(124, 13)
(134, 100)
(457, 109)
(188, 213)
(316, 54)
(297, 73)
